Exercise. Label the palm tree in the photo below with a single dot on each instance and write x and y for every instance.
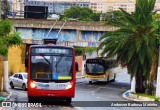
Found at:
(154, 67)
(134, 41)
(8, 38)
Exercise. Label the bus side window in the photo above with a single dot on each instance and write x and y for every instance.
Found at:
(113, 64)
(116, 64)
(110, 64)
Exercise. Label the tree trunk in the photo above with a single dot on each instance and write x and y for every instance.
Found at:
(5, 75)
(152, 75)
(139, 83)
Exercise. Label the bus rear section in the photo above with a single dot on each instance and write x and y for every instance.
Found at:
(99, 69)
(51, 73)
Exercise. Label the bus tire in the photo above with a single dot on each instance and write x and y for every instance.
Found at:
(31, 99)
(108, 79)
(114, 78)
(68, 100)
(90, 82)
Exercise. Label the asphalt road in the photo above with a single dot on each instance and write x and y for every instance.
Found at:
(96, 96)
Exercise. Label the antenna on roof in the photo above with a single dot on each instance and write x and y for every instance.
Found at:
(61, 29)
(53, 40)
(51, 29)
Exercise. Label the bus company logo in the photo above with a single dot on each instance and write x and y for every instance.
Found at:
(25, 104)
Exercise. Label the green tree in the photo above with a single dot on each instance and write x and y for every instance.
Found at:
(95, 16)
(85, 13)
(111, 16)
(153, 72)
(134, 42)
(81, 13)
(5, 7)
(73, 12)
(8, 38)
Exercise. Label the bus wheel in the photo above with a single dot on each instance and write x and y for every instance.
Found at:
(114, 78)
(68, 100)
(90, 82)
(30, 99)
(11, 84)
(108, 79)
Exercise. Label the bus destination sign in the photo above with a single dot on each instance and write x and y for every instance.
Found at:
(51, 50)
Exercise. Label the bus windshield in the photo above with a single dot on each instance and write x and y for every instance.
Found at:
(95, 68)
(51, 67)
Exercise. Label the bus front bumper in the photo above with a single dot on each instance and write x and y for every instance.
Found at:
(51, 93)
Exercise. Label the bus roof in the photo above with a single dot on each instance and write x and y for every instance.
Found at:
(57, 46)
(101, 58)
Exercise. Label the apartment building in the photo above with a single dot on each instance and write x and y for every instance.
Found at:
(103, 6)
(59, 6)
(56, 7)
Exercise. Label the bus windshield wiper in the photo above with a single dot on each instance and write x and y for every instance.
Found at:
(45, 59)
(61, 55)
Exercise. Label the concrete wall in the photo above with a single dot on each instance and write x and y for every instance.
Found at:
(16, 58)
(72, 37)
(71, 25)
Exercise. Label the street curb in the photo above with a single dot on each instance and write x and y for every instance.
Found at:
(133, 97)
(126, 96)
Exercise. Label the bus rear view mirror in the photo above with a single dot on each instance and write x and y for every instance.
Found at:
(26, 60)
(77, 68)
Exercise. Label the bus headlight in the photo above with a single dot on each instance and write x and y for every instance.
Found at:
(104, 76)
(33, 85)
(69, 86)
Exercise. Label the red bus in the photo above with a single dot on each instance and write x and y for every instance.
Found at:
(51, 72)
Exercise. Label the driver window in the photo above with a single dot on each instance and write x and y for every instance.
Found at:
(20, 76)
